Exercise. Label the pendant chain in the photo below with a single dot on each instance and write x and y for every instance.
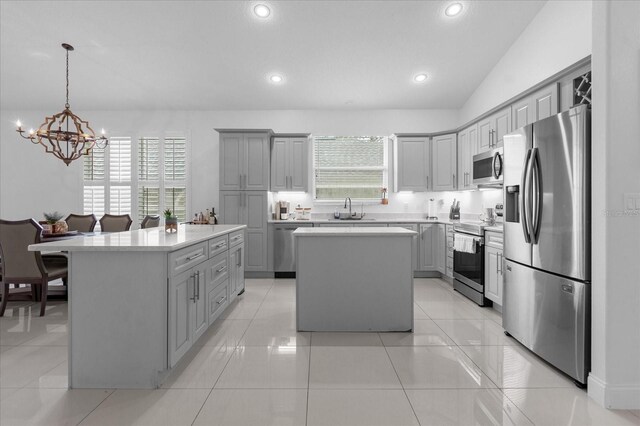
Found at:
(66, 105)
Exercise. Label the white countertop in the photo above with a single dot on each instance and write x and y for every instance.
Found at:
(152, 239)
(345, 232)
(355, 222)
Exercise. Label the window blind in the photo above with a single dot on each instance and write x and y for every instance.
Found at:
(149, 159)
(93, 200)
(353, 167)
(175, 198)
(120, 159)
(175, 159)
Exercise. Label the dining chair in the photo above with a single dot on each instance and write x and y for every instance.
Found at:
(81, 223)
(20, 266)
(115, 223)
(150, 221)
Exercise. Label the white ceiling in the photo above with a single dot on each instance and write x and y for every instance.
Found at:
(217, 55)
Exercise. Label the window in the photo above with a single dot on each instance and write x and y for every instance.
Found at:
(354, 166)
(138, 178)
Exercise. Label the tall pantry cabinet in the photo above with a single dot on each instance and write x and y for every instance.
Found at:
(244, 186)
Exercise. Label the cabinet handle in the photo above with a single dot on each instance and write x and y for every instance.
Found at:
(195, 256)
(239, 255)
(454, 180)
(222, 299)
(194, 287)
(221, 269)
(220, 245)
(236, 237)
(198, 278)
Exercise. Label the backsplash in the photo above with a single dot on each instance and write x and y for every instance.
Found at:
(412, 204)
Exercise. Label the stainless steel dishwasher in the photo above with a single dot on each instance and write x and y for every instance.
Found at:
(284, 254)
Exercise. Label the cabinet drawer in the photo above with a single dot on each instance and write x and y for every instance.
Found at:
(218, 245)
(219, 270)
(184, 259)
(236, 238)
(218, 299)
(494, 239)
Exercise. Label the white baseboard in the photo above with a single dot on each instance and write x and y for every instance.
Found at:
(625, 397)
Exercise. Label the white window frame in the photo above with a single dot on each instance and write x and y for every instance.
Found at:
(365, 201)
(135, 181)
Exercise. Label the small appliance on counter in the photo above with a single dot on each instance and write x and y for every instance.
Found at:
(431, 209)
(283, 210)
(499, 210)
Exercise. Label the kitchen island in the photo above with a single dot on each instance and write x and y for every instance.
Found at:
(139, 300)
(354, 279)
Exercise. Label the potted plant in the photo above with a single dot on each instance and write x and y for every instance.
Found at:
(170, 221)
(385, 200)
(54, 223)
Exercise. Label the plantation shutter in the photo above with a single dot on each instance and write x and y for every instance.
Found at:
(148, 177)
(175, 176)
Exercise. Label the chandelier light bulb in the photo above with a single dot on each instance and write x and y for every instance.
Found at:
(31, 131)
(103, 132)
(18, 124)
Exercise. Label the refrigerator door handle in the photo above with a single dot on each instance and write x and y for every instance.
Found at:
(523, 198)
(528, 196)
(537, 195)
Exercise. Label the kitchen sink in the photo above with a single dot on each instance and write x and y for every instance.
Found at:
(349, 218)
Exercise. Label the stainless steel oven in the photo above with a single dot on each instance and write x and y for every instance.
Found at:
(468, 268)
(488, 168)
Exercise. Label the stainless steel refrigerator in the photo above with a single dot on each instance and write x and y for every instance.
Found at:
(547, 249)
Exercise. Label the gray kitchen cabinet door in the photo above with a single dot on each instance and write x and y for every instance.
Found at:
(180, 293)
(231, 161)
(256, 221)
(256, 162)
(280, 164)
(298, 164)
(412, 165)
(199, 317)
(538, 105)
(493, 274)
(441, 249)
(467, 148)
(501, 126)
(236, 270)
(485, 132)
(444, 155)
(416, 247)
(231, 207)
(428, 241)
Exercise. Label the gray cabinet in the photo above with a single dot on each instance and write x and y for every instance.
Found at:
(248, 208)
(541, 104)
(428, 246)
(444, 156)
(411, 163)
(441, 249)
(416, 248)
(289, 163)
(493, 266)
(467, 148)
(449, 249)
(236, 270)
(492, 129)
(244, 160)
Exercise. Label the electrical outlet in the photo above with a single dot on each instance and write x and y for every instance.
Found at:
(632, 201)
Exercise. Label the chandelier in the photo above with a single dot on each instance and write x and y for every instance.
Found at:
(64, 134)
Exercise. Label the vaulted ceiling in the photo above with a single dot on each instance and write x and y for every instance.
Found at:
(210, 55)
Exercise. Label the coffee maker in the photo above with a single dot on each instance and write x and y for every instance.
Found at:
(283, 210)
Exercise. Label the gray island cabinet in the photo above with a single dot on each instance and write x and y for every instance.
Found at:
(354, 279)
(139, 300)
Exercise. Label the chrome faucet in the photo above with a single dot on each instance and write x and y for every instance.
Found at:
(345, 205)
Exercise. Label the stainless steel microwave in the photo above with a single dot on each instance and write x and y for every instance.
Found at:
(488, 168)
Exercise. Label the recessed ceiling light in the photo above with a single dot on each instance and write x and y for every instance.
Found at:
(262, 10)
(275, 78)
(420, 78)
(453, 9)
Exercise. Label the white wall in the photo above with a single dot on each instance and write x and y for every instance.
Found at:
(559, 36)
(615, 366)
(32, 182)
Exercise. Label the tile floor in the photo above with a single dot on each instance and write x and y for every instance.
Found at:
(253, 368)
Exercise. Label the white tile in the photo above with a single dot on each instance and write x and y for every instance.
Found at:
(635, 413)
(475, 332)
(351, 368)
(515, 367)
(345, 339)
(425, 333)
(224, 332)
(24, 364)
(366, 407)
(242, 407)
(493, 315)
(451, 310)
(175, 407)
(56, 335)
(57, 378)
(267, 368)
(277, 331)
(49, 407)
(200, 368)
(16, 331)
(5, 348)
(464, 407)
(274, 310)
(570, 406)
(418, 313)
(436, 367)
(240, 309)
